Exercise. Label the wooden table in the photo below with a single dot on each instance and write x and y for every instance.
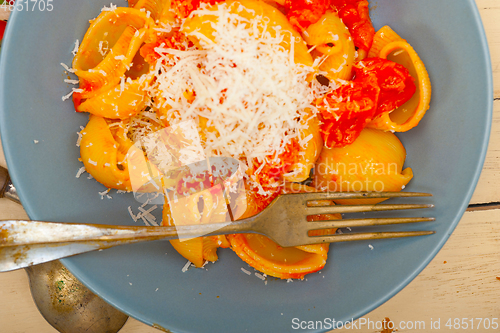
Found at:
(463, 280)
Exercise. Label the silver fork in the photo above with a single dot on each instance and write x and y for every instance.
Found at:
(26, 243)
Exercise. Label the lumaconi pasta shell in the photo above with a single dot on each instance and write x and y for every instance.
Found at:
(154, 7)
(100, 156)
(144, 176)
(332, 40)
(373, 162)
(191, 249)
(113, 160)
(196, 250)
(179, 210)
(409, 114)
(120, 102)
(266, 256)
(248, 10)
(108, 48)
(309, 152)
(361, 54)
(107, 71)
(383, 36)
(279, 2)
(214, 211)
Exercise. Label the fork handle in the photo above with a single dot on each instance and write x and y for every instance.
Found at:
(25, 243)
(24, 233)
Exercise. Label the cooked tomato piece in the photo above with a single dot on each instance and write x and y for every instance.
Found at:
(3, 24)
(177, 41)
(379, 86)
(185, 7)
(302, 13)
(276, 166)
(77, 99)
(347, 110)
(396, 84)
(355, 15)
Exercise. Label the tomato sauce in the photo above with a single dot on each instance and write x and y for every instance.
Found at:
(176, 40)
(355, 15)
(185, 7)
(378, 86)
(395, 82)
(275, 168)
(302, 13)
(347, 110)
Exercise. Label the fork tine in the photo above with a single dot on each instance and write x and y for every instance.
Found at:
(359, 195)
(337, 238)
(366, 222)
(340, 209)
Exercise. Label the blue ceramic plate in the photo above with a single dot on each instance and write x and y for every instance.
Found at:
(446, 152)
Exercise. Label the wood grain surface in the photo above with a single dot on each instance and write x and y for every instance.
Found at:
(461, 283)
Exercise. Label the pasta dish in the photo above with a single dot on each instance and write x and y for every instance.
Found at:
(222, 105)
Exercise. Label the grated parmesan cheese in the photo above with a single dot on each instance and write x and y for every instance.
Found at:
(111, 8)
(186, 266)
(66, 68)
(75, 49)
(71, 81)
(246, 85)
(105, 193)
(80, 172)
(65, 97)
(134, 217)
